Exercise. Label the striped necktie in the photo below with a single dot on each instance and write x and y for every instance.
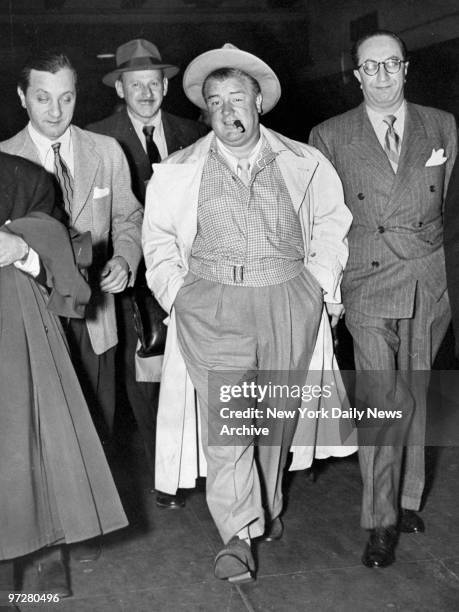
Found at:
(392, 142)
(243, 170)
(64, 178)
(152, 149)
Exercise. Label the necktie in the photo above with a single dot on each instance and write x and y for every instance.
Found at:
(243, 170)
(64, 178)
(392, 142)
(152, 149)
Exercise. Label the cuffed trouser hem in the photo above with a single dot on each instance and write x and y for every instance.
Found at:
(411, 503)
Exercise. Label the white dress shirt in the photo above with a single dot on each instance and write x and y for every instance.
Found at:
(158, 135)
(379, 125)
(29, 264)
(45, 150)
(233, 161)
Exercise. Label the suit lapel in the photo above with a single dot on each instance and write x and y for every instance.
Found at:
(27, 148)
(170, 134)
(297, 173)
(415, 149)
(366, 146)
(86, 162)
(128, 135)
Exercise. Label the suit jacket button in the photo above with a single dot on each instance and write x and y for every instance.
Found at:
(360, 196)
(432, 188)
(375, 264)
(381, 229)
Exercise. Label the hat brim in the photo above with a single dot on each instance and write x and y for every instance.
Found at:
(146, 64)
(197, 71)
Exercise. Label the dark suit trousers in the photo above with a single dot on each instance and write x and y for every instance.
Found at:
(391, 351)
(142, 397)
(96, 374)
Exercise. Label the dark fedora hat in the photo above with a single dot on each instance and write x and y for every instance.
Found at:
(138, 54)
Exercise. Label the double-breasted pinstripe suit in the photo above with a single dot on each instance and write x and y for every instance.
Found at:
(394, 286)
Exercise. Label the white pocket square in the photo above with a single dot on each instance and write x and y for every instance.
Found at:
(437, 158)
(100, 192)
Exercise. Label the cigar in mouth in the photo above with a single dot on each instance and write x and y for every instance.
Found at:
(239, 126)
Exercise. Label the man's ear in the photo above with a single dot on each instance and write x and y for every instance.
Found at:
(405, 66)
(259, 103)
(21, 97)
(357, 76)
(119, 88)
(165, 85)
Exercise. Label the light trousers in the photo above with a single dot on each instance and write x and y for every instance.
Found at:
(230, 333)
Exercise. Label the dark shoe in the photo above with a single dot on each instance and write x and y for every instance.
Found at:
(380, 548)
(172, 502)
(410, 522)
(89, 550)
(235, 562)
(53, 578)
(273, 531)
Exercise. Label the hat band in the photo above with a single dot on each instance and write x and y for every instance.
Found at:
(140, 61)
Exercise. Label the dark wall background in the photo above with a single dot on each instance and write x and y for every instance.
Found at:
(433, 80)
(178, 43)
(433, 77)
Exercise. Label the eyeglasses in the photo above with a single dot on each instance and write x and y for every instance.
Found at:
(391, 66)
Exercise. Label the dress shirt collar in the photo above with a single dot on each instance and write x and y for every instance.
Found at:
(45, 151)
(231, 160)
(380, 127)
(158, 135)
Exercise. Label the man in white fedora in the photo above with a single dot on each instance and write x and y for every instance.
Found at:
(147, 134)
(244, 238)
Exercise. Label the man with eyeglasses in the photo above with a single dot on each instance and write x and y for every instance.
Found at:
(395, 160)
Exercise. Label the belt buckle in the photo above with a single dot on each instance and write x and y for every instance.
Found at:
(238, 274)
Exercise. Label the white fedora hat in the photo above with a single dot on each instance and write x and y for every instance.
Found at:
(230, 56)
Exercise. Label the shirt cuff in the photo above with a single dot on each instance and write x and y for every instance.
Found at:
(30, 265)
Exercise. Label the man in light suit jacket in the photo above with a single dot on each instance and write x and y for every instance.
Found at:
(394, 159)
(93, 177)
(141, 80)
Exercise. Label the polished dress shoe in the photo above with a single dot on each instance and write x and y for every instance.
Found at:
(273, 531)
(410, 522)
(172, 502)
(86, 551)
(235, 562)
(380, 548)
(53, 578)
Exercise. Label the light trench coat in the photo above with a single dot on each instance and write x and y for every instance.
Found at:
(169, 230)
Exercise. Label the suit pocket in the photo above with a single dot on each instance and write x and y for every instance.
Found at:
(190, 280)
(312, 283)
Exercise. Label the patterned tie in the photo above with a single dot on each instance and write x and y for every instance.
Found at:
(392, 142)
(243, 170)
(64, 178)
(152, 149)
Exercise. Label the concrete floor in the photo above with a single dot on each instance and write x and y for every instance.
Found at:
(164, 560)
